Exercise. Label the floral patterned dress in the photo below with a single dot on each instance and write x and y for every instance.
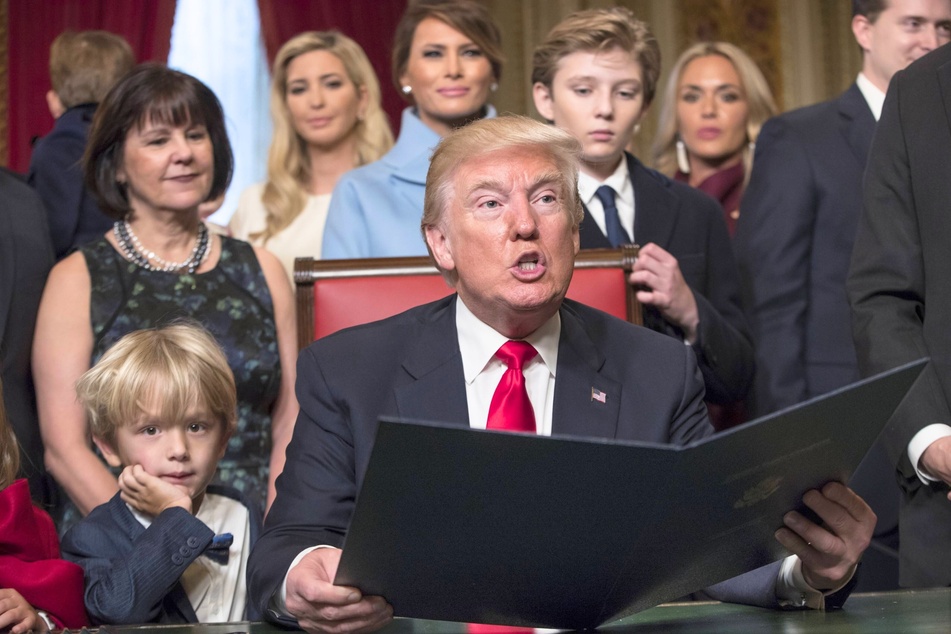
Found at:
(232, 301)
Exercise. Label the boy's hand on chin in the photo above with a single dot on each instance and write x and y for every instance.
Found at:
(149, 494)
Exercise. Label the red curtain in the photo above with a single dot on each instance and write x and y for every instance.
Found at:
(146, 24)
(370, 23)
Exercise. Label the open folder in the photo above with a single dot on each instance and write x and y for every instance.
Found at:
(455, 524)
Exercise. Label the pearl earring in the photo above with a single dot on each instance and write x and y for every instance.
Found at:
(494, 86)
(683, 163)
(407, 90)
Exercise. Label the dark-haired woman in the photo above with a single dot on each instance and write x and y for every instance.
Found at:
(157, 150)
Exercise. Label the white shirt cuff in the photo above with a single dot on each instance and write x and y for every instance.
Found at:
(279, 600)
(792, 590)
(921, 441)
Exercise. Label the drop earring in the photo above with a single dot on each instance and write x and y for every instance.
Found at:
(407, 89)
(494, 86)
(683, 163)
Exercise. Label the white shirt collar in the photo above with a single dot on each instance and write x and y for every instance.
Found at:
(478, 342)
(619, 181)
(874, 97)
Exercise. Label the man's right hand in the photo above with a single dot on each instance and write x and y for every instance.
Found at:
(320, 606)
(936, 460)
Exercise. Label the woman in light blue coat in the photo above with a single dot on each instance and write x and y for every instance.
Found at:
(447, 61)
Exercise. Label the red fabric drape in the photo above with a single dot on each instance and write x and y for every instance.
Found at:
(146, 24)
(370, 23)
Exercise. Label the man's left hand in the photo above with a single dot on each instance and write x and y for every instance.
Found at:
(666, 289)
(830, 552)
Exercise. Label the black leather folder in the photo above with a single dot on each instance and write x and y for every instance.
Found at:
(454, 524)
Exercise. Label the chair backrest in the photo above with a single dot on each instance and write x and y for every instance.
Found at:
(336, 294)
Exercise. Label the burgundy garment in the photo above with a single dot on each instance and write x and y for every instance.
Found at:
(726, 186)
(30, 562)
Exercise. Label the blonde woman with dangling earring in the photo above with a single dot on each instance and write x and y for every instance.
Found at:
(712, 109)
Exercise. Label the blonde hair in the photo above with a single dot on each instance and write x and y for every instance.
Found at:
(288, 163)
(486, 136)
(177, 366)
(599, 30)
(85, 65)
(9, 450)
(759, 101)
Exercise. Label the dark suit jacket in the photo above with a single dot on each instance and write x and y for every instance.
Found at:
(26, 257)
(132, 573)
(409, 366)
(689, 225)
(793, 241)
(900, 292)
(56, 174)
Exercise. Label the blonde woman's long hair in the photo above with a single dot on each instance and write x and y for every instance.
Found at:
(288, 165)
(759, 99)
(9, 450)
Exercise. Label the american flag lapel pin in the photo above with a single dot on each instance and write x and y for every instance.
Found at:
(598, 395)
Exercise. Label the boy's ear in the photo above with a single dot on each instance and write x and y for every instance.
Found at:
(541, 94)
(55, 104)
(108, 452)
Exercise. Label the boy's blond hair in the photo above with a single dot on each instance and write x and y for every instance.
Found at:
(85, 65)
(177, 366)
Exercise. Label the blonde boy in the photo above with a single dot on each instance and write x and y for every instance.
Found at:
(161, 405)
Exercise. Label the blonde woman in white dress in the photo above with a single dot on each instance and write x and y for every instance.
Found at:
(325, 104)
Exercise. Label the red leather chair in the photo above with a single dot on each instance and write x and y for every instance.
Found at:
(336, 294)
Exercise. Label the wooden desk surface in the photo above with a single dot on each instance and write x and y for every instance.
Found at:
(903, 612)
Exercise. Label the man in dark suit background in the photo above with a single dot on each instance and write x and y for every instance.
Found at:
(795, 232)
(501, 221)
(26, 256)
(901, 301)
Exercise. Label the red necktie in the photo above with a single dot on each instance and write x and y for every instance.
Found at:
(510, 409)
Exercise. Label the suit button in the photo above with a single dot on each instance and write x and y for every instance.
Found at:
(177, 559)
(192, 542)
(184, 551)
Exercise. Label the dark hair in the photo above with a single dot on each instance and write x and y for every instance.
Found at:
(469, 17)
(156, 93)
(871, 9)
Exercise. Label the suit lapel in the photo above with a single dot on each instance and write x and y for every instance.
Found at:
(653, 220)
(857, 123)
(578, 410)
(434, 387)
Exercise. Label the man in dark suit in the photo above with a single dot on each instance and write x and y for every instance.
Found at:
(898, 288)
(26, 256)
(501, 221)
(595, 75)
(795, 232)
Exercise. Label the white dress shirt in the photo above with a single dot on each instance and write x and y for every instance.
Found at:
(620, 182)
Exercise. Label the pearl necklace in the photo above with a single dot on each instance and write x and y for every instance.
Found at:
(133, 250)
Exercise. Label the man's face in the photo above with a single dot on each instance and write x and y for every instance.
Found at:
(508, 235)
(903, 32)
(598, 97)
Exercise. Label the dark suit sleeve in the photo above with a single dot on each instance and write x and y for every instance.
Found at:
(724, 350)
(887, 279)
(773, 248)
(126, 586)
(316, 491)
(56, 176)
